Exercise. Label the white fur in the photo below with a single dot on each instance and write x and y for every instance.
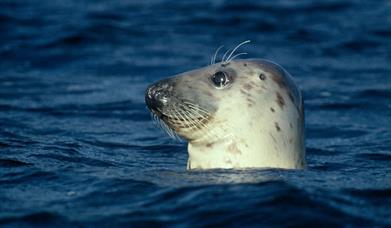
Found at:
(240, 136)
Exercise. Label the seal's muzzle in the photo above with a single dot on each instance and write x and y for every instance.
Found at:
(158, 95)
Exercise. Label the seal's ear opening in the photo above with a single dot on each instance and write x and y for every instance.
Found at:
(262, 76)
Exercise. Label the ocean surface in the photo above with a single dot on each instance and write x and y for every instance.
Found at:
(78, 146)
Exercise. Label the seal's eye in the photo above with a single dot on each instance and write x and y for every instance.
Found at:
(220, 79)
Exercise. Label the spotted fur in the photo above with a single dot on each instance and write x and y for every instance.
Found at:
(252, 121)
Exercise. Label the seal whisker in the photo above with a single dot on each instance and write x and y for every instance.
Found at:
(225, 54)
(164, 127)
(192, 121)
(167, 129)
(233, 57)
(213, 60)
(233, 51)
(199, 115)
(196, 107)
(200, 110)
(205, 129)
(188, 116)
(215, 133)
(196, 123)
(183, 117)
(170, 130)
(156, 120)
(199, 123)
(152, 116)
(201, 120)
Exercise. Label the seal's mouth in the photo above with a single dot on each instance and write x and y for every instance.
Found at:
(176, 115)
(175, 112)
(180, 120)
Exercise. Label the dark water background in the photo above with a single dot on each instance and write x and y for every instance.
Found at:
(78, 147)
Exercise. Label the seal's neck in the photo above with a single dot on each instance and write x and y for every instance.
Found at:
(226, 153)
(245, 152)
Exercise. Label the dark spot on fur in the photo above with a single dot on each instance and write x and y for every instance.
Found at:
(262, 76)
(245, 64)
(245, 93)
(290, 125)
(272, 109)
(277, 126)
(280, 100)
(250, 102)
(232, 148)
(247, 86)
(290, 140)
(209, 145)
(279, 80)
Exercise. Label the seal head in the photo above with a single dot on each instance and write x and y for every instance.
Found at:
(240, 114)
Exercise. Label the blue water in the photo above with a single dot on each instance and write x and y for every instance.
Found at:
(78, 147)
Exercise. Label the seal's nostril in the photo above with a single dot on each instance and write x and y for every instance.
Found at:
(157, 95)
(161, 96)
(164, 100)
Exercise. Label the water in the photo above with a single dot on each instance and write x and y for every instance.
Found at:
(78, 147)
